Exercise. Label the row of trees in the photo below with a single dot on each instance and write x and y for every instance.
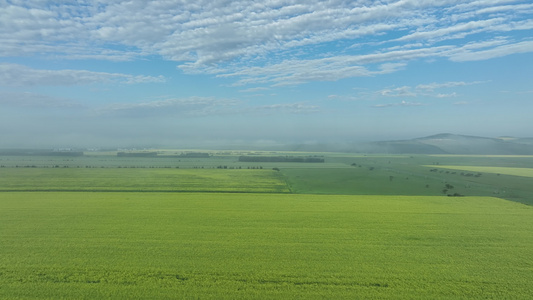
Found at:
(280, 159)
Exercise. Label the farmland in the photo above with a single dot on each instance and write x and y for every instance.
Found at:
(141, 179)
(217, 227)
(133, 245)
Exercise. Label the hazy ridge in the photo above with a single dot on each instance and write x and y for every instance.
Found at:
(444, 143)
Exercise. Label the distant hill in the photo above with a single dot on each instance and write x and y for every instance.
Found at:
(447, 143)
(444, 143)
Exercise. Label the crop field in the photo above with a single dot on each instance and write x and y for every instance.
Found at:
(141, 180)
(215, 246)
(417, 175)
(525, 172)
(355, 226)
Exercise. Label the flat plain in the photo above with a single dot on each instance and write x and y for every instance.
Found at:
(227, 246)
(353, 227)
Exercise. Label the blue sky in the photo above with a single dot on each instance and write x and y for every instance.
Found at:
(199, 73)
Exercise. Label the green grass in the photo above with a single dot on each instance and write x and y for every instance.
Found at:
(141, 179)
(261, 246)
(358, 181)
(525, 172)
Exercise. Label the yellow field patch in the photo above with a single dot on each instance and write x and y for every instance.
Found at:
(525, 172)
(481, 155)
(142, 179)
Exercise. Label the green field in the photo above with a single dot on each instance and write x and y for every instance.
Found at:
(354, 227)
(215, 246)
(413, 175)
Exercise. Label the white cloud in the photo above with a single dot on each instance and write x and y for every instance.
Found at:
(403, 91)
(20, 75)
(454, 94)
(300, 71)
(499, 51)
(269, 41)
(454, 31)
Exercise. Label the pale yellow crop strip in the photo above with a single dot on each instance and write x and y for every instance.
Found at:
(525, 172)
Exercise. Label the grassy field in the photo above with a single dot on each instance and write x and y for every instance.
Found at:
(230, 246)
(358, 181)
(141, 180)
(342, 173)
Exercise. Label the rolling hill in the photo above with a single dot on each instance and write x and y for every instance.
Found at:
(444, 143)
(447, 143)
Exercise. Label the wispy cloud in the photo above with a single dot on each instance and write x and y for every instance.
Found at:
(293, 108)
(253, 90)
(454, 94)
(193, 106)
(425, 90)
(20, 75)
(452, 32)
(488, 53)
(403, 91)
(433, 86)
(402, 104)
(300, 71)
(35, 100)
(200, 106)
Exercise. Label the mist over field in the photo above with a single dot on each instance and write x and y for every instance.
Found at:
(240, 73)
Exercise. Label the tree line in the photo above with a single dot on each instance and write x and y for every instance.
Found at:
(280, 159)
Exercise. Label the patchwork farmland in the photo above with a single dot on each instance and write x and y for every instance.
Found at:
(351, 227)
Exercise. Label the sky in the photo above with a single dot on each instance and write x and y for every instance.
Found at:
(205, 73)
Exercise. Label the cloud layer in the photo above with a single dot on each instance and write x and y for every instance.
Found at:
(274, 42)
(20, 75)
